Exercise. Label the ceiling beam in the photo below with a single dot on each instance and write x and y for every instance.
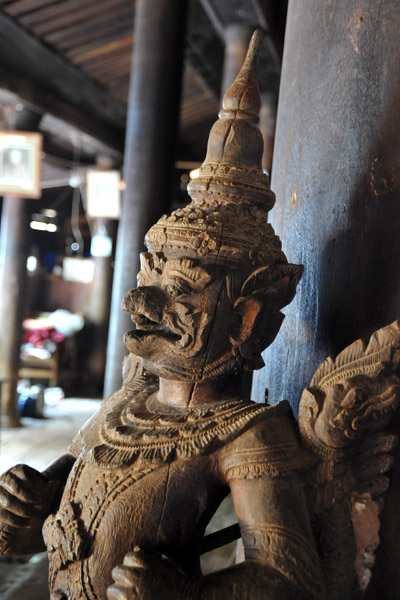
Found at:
(42, 77)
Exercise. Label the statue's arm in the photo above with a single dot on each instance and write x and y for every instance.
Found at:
(264, 469)
(27, 497)
(281, 562)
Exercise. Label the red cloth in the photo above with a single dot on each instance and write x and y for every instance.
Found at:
(38, 336)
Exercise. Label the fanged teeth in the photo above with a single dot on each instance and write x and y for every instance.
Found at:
(151, 327)
(143, 322)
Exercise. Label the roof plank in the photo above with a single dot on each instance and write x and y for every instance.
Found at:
(50, 82)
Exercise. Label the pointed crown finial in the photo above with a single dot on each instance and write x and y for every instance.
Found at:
(227, 218)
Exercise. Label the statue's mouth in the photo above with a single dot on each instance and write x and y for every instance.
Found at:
(144, 322)
(175, 327)
(147, 327)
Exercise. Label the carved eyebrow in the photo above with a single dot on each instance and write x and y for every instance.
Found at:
(186, 269)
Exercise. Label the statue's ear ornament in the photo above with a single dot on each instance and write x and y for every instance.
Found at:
(264, 278)
(270, 288)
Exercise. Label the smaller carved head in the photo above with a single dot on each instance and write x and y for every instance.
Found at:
(215, 278)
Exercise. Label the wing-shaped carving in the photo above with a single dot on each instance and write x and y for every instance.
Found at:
(342, 419)
(360, 359)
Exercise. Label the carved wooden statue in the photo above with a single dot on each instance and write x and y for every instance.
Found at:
(123, 514)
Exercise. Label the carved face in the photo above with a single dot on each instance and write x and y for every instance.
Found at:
(183, 318)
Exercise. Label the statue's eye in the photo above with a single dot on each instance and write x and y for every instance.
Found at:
(174, 290)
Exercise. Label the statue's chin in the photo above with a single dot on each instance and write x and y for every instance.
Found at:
(194, 370)
(170, 356)
(171, 371)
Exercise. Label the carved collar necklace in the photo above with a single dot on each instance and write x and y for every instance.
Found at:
(144, 430)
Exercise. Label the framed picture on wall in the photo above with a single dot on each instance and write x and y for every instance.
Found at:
(20, 159)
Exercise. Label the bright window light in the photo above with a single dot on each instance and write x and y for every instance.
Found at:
(101, 245)
(31, 263)
(40, 226)
(194, 173)
(49, 212)
(103, 192)
(78, 269)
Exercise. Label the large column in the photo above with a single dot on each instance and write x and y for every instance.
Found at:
(97, 313)
(14, 247)
(149, 151)
(336, 160)
(237, 37)
(336, 177)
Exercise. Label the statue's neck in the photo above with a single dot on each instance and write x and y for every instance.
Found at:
(182, 393)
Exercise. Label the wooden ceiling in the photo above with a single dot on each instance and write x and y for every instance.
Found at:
(72, 58)
(94, 35)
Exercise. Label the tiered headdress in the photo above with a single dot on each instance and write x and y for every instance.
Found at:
(227, 218)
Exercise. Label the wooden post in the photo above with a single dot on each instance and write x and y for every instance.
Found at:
(13, 256)
(14, 247)
(149, 152)
(335, 175)
(98, 311)
(336, 160)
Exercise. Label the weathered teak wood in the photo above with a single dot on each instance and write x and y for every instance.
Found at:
(123, 513)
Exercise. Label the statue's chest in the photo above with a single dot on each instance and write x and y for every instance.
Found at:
(146, 499)
(105, 513)
(146, 475)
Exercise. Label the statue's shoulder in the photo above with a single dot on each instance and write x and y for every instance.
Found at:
(269, 448)
(111, 411)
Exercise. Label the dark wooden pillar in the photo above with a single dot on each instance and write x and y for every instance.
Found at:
(237, 37)
(97, 313)
(335, 175)
(14, 247)
(149, 151)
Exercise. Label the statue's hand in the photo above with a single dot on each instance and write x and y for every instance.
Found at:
(372, 462)
(150, 576)
(26, 498)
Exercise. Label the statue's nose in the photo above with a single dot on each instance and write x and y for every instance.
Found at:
(145, 300)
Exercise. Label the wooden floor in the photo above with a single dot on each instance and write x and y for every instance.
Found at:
(37, 443)
(40, 441)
